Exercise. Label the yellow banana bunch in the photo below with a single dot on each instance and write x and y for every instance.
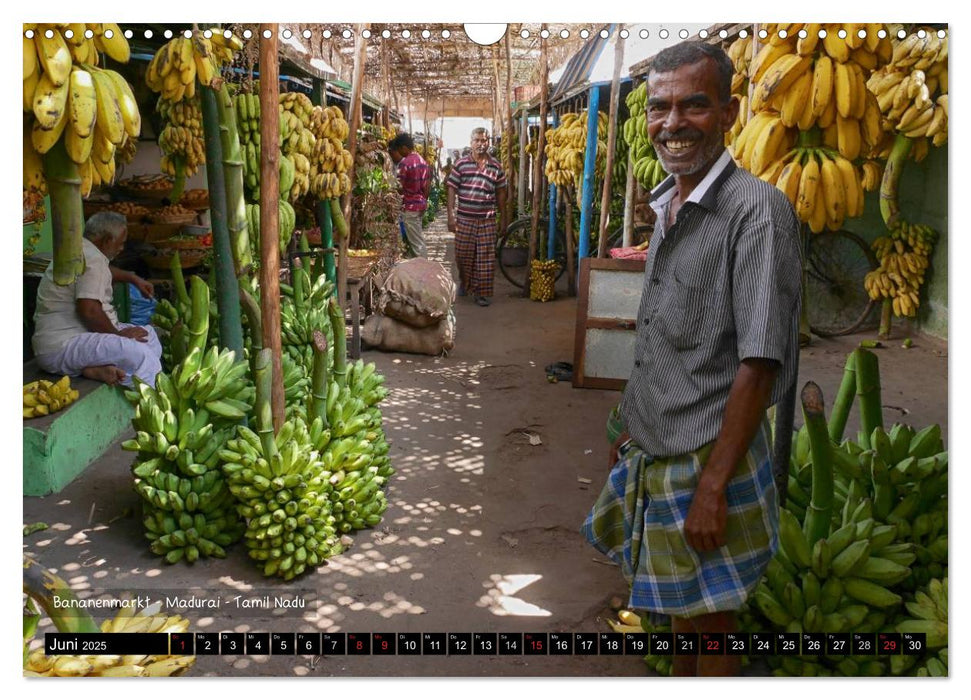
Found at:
(911, 91)
(177, 66)
(42, 397)
(126, 621)
(566, 145)
(330, 162)
(181, 137)
(67, 95)
(904, 257)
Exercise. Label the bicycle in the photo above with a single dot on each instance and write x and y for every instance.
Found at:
(835, 265)
(512, 248)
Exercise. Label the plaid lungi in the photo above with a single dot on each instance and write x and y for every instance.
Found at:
(475, 254)
(638, 522)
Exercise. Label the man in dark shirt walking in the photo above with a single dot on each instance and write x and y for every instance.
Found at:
(690, 509)
(476, 193)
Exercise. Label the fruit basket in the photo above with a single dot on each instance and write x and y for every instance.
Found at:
(197, 199)
(173, 214)
(161, 259)
(185, 241)
(147, 187)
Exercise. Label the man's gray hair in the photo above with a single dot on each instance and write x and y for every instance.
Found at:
(105, 223)
(479, 130)
(689, 52)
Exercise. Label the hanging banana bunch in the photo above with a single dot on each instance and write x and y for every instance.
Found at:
(67, 95)
(566, 146)
(177, 66)
(648, 170)
(813, 117)
(904, 257)
(330, 162)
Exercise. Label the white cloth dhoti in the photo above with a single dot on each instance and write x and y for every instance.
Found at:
(134, 357)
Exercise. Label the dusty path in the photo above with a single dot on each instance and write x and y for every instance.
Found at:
(482, 531)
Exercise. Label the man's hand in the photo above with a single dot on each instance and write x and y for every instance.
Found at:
(704, 528)
(451, 223)
(135, 333)
(146, 288)
(612, 460)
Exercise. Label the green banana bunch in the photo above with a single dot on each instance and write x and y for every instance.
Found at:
(287, 219)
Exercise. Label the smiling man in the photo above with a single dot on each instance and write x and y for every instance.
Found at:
(690, 508)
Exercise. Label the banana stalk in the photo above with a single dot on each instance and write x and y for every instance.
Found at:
(889, 206)
(336, 314)
(868, 390)
(318, 381)
(819, 514)
(178, 281)
(340, 224)
(263, 377)
(233, 179)
(67, 215)
(251, 309)
(44, 587)
(843, 402)
(886, 318)
(178, 185)
(199, 322)
(227, 287)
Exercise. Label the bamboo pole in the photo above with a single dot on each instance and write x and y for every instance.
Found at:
(844, 401)
(67, 213)
(819, 512)
(360, 56)
(611, 141)
(227, 286)
(233, 178)
(538, 160)
(868, 391)
(270, 213)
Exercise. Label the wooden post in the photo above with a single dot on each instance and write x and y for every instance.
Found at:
(424, 122)
(508, 130)
(538, 161)
(629, 192)
(269, 211)
(521, 175)
(411, 126)
(360, 56)
(611, 141)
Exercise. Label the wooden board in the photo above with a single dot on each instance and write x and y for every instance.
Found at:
(609, 296)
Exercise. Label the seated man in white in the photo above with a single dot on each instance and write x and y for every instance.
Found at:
(77, 329)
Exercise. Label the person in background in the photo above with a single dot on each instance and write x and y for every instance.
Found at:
(415, 176)
(77, 329)
(690, 509)
(447, 169)
(476, 193)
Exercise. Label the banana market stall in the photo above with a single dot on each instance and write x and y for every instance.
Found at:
(257, 177)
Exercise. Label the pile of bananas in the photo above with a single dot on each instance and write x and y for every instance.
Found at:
(299, 144)
(648, 170)
(176, 67)
(181, 140)
(912, 91)
(629, 622)
(822, 185)
(542, 280)
(928, 610)
(888, 537)
(127, 622)
(181, 425)
(287, 220)
(565, 147)
(813, 92)
(65, 94)
(904, 257)
(430, 153)
(330, 161)
(42, 397)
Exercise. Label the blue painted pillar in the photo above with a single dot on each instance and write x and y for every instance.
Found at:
(551, 232)
(589, 167)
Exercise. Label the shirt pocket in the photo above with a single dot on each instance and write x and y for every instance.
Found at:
(682, 314)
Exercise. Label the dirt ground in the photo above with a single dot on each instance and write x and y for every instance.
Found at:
(482, 530)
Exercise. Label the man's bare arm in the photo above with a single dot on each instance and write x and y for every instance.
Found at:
(748, 399)
(96, 321)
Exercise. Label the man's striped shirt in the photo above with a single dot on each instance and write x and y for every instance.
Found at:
(475, 188)
(413, 174)
(722, 284)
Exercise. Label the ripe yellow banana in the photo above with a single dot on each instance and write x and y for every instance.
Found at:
(822, 85)
(834, 46)
(849, 141)
(844, 85)
(54, 54)
(834, 194)
(42, 139)
(49, 102)
(110, 122)
(116, 46)
(851, 187)
(788, 180)
(794, 100)
(30, 58)
(126, 104)
(83, 102)
(808, 187)
(805, 46)
(782, 74)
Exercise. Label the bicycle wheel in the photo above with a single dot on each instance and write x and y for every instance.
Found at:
(836, 302)
(512, 250)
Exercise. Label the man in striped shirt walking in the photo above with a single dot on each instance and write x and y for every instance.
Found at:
(690, 508)
(476, 192)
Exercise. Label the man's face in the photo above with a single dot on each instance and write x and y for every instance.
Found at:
(396, 155)
(111, 247)
(685, 120)
(480, 144)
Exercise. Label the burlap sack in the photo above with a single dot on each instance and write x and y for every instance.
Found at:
(392, 335)
(418, 292)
